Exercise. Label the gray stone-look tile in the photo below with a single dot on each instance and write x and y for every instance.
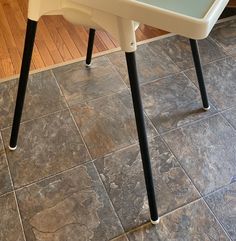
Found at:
(10, 227)
(80, 84)
(71, 206)
(151, 65)
(192, 222)
(172, 102)
(220, 82)
(179, 50)
(207, 151)
(230, 115)
(223, 204)
(225, 35)
(46, 146)
(5, 181)
(42, 97)
(122, 174)
(108, 124)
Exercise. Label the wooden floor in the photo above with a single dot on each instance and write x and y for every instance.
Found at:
(57, 41)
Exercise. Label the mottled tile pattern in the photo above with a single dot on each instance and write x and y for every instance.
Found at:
(42, 97)
(220, 82)
(151, 64)
(122, 175)
(5, 181)
(179, 50)
(80, 84)
(193, 222)
(46, 146)
(225, 35)
(71, 206)
(10, 228)
(172, 102)
(108, 124)
(230, 115)
(223, 204)
(207, 152)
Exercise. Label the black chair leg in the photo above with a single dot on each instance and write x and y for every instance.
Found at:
(90, 47)
(198, 68)
(25, 67)
(143, 142)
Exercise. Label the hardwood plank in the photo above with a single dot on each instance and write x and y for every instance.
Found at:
(232, 3)
(6, 67)
(44, 34)
(3, 47)
(66, 38)
(16, 60)
(52, 27)
(44, 52)
(80, 43)
(106, 40)
(6, 28)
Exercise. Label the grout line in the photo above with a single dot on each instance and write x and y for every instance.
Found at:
(20, 217)
(162, 216)
(217, 220)
(226, 52)
(197, 86)
(6, 193)
(114, 67)
(181, 207)
(156, 38)
(53, 175)
(189, 124)
(208, 63)
(221, 114)
(60, 90)
(80, 133)
(211, 62)
(14, 191)
(184, 170)
(73, 119)
(112, 204)
(222, 20)
(152, 49)
(96, 98)
(117, 238)
(36, 118)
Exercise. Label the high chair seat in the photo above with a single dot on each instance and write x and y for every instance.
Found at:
(190, 18)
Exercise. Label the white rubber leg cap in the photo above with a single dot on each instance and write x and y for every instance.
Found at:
(155, 222)
(208, 108)
(88, 65)
(12, 148)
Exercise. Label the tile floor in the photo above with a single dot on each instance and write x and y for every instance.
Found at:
(77, 173)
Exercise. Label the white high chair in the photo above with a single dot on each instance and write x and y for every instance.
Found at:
(190, 18)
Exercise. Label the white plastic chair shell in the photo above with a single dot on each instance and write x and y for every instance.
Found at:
(120, 17)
